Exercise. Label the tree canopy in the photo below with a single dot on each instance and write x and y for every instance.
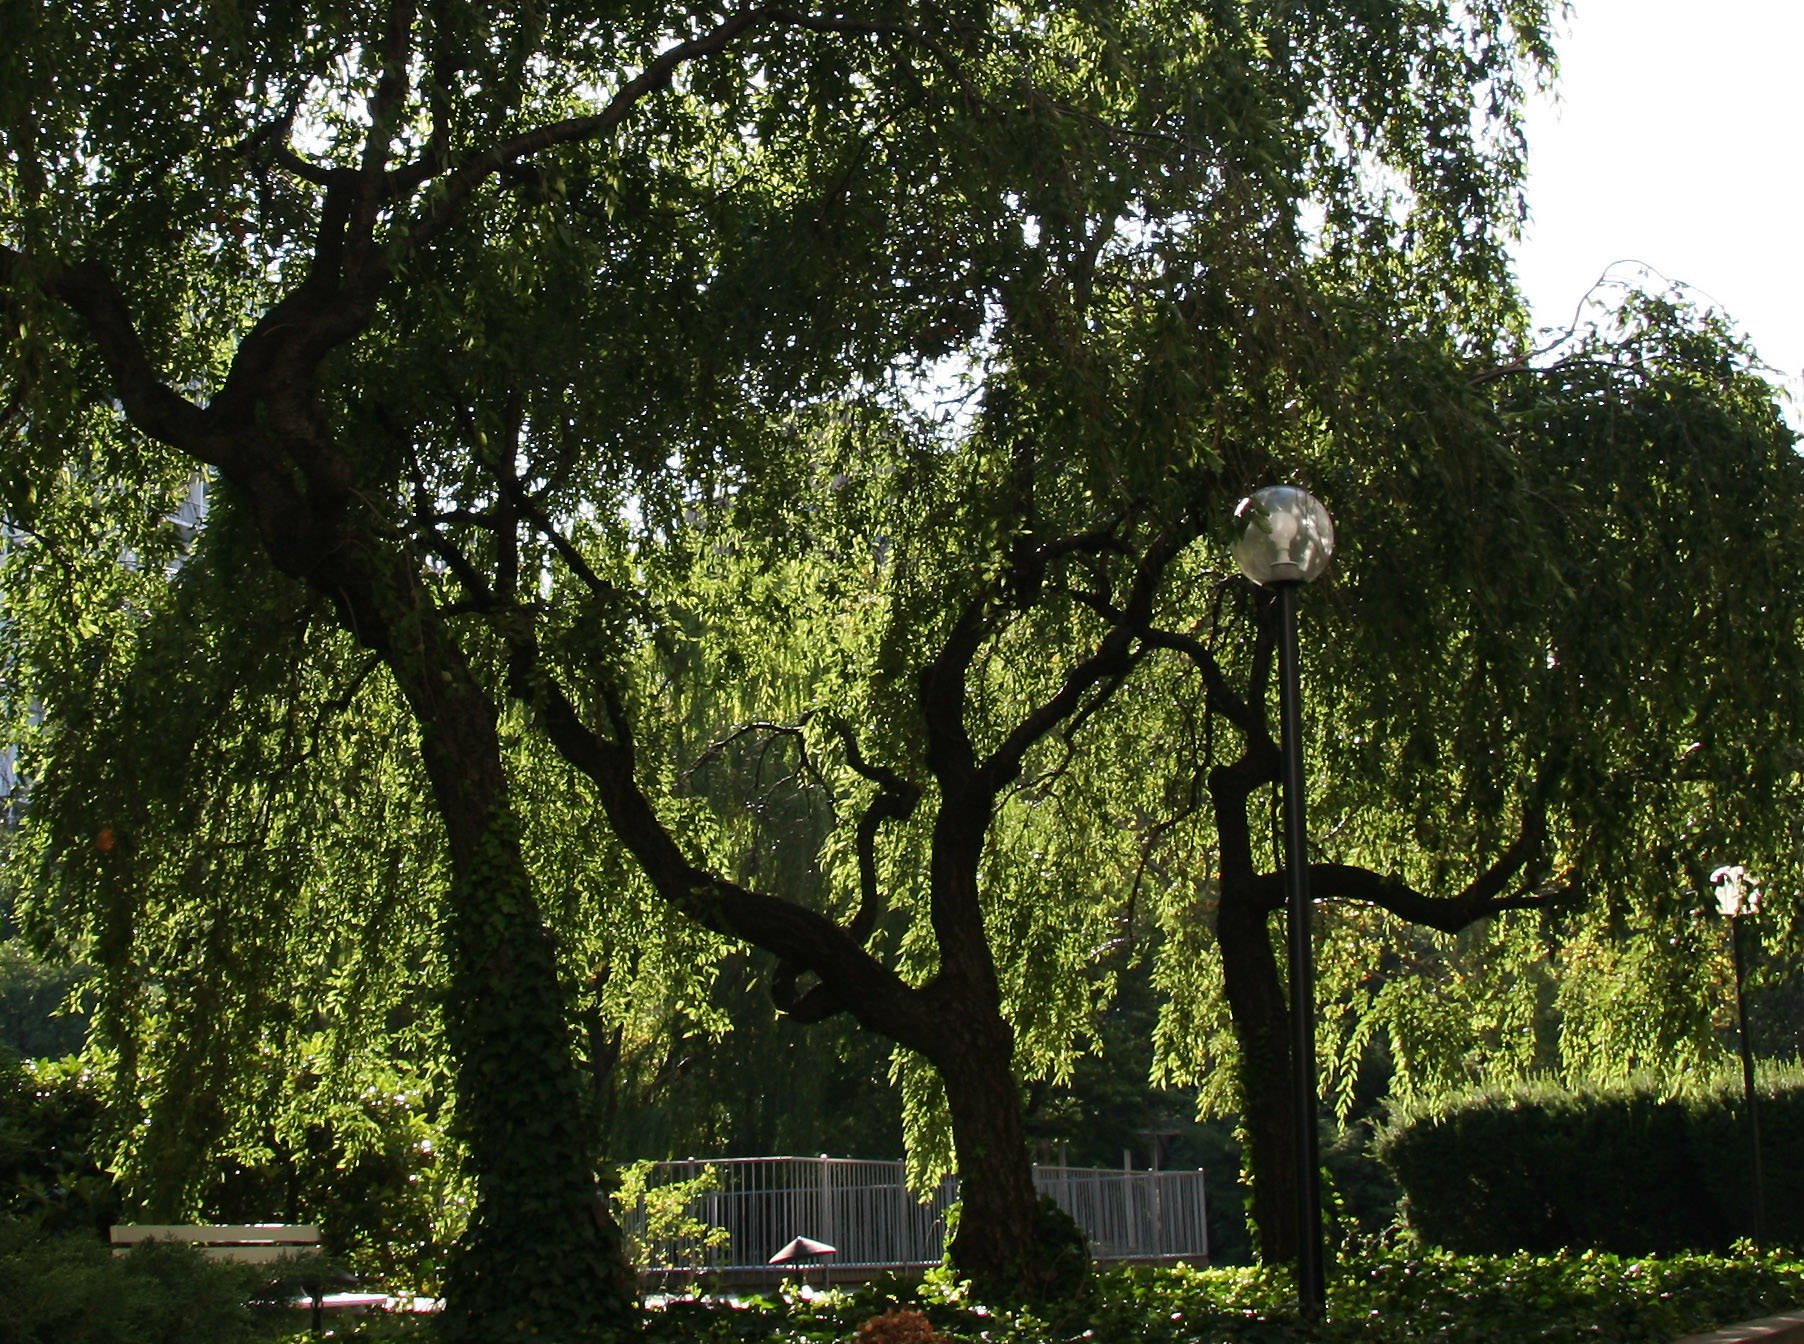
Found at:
(865, 385)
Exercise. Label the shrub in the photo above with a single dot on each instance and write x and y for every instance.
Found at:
(368, 1171)
(72, 1290)
(48, 1175)
(1060, 1246)
(366, 1168)
(899, 1325)
(32, 994)
(1630, 1168)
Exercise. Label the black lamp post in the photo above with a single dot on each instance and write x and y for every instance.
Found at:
(1283, 540)
(1737, 896)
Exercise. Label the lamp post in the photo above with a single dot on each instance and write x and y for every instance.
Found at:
(1737, 896)
(1283, 540)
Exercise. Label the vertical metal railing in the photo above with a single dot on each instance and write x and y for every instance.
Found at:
(865, 1210)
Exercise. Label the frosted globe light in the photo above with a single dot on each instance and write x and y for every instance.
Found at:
(1282, 535)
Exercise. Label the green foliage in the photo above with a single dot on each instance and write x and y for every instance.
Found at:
(37, 1019)
(372, 1169)
(74, 1290)
(1593, 520)
(1375, 1296)
(229, 829)
(50, 1173)
(1060, 1245)
(1485, 716)
(662, 1215)
(367, 1172)
(1628, 1167)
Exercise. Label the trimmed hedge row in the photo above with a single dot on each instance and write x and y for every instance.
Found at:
(1631, 1168)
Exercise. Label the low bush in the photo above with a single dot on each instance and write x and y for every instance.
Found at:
(72, 1289)
(1632, 1168)
(48, 1174)
(1376, 1295)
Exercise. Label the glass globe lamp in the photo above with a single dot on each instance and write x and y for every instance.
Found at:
(1282, 534)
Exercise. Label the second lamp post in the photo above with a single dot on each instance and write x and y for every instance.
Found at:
(1737, 897)
(1283, 540)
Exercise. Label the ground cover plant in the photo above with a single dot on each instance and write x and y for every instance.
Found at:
(71, 1289)
(1377, 1294)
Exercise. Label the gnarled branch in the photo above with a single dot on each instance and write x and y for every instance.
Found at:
(1509, 883)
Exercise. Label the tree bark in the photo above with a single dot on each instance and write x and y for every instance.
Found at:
(1259, 1009)
(1260, 1012)
(542, 1255)
(993, 1246)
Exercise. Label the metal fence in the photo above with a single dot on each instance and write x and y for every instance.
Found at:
(865, 1211)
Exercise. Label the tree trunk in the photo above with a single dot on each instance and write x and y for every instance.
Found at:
(542, 1255)
(1260, 1014)
(993, 1246)
(1259, 1010)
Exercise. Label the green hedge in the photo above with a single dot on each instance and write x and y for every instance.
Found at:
(1632, 1168)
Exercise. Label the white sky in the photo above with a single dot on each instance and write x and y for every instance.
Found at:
(1675, 138)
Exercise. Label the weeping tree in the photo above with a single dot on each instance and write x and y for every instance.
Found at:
(1552, 683)
(224, 817)
(498, 323)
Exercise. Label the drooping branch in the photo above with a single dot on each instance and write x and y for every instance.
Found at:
(1509, 883)
(895, 799)
(463, 181)
(795, 732)
(520, 498)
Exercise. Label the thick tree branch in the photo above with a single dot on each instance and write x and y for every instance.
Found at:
(388, 100)
(942, 690)
(1112, 656)
(474, 171)
(872, 992)
(895, 800)
(572, 557)
(1219, 693)
(1507, 884)
(319, 174)
(91, 293)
